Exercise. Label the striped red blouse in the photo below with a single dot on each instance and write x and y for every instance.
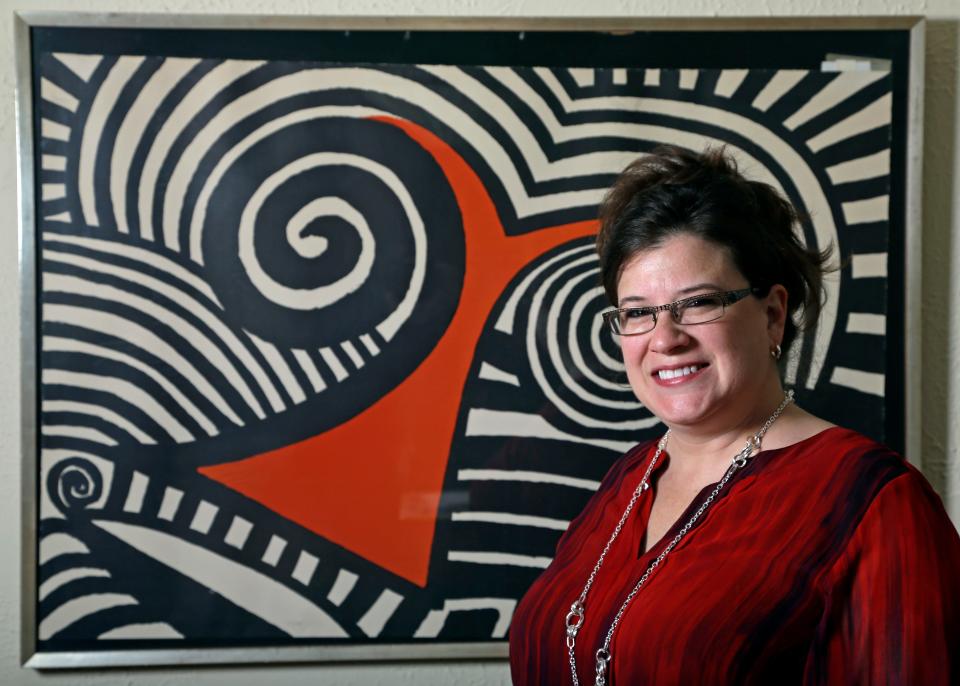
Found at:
(831, 561)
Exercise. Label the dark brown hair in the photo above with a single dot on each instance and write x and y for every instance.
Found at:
(674, 191)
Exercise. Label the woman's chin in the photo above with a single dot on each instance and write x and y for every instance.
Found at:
(681, 413)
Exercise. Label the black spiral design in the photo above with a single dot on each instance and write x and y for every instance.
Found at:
(573, 358)
(74, 483)
(319, 233)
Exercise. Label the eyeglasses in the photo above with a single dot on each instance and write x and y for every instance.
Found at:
(697, 309)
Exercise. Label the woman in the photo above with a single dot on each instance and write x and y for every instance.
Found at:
(754, 543)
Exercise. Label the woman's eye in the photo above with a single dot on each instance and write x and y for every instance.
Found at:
(711, 301)
(633, 313)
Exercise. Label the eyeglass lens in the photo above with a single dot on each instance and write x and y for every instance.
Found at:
(699, 310)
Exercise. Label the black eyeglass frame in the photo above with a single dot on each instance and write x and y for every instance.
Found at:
(726, 297)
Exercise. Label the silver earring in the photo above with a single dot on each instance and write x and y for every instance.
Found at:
(776, 352)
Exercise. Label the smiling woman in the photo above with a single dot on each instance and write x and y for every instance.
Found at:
(754, 543)
(730, 389)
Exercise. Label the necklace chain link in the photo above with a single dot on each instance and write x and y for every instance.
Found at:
(575, 618)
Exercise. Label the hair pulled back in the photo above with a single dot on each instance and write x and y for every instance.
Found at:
(674, 191)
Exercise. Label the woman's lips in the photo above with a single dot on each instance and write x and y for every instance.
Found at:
(675, 376)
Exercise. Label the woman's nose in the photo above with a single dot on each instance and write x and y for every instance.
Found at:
(668, 336)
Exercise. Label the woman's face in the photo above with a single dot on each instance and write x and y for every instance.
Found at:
(731, 370)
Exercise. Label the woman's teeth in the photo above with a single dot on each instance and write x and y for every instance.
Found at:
(674, 373)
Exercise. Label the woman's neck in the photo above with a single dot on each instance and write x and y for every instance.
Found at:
(706, 448)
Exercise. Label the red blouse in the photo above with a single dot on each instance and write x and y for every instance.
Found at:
(830, 561)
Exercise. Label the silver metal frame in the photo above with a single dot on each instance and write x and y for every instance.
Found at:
(23, 21)
(28, 342)
(913, 250)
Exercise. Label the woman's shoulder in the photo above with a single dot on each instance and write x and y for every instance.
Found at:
(840, 447)
(849, 465)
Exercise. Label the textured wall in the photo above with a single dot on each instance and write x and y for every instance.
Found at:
(941, 283)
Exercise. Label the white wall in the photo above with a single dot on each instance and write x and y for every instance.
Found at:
(941, 284)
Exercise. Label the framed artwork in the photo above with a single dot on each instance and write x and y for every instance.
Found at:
(313, 366)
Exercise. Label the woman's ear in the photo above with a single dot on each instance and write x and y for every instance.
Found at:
(775, 307)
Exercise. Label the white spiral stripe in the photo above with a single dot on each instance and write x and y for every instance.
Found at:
(403, 89)
(51, 92)
(53, 163)
(318, 297)
(103, 104)
(596, 326)
(187, 332)
(781, 84)
(310, 369)
(839, 89)
(141, 631)
(876, 114)
(280, 368)
(103, 413)
(56, 544)
(507, 316)
(688, 78)
(541, 167)
(182, 177)
(537, 368)
(526, 476)
(66, 576)
(553, 338)
(388, 327)
(54, 130)
(143, 339)
(333, 362)
(729, 81)
(392, 323)
(600, 353)
(862, 168)
(76, 609)
(383, 608)
(311, 247)
(59, 217)
(250, 589)
(483, 422)
(199, 97)
(370, 344)
(553, 353)
(134, 122)
(151, 259)
(223, 332)
(499, 559)
(353, 354)
(510, 519)
(84, 433)
(125, 392)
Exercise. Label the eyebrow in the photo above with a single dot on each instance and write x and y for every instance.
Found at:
(683, 291)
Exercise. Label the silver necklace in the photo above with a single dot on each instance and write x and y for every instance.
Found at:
(575, 617)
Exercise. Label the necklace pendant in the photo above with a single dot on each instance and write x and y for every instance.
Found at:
(603, 657)
(574, 620)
